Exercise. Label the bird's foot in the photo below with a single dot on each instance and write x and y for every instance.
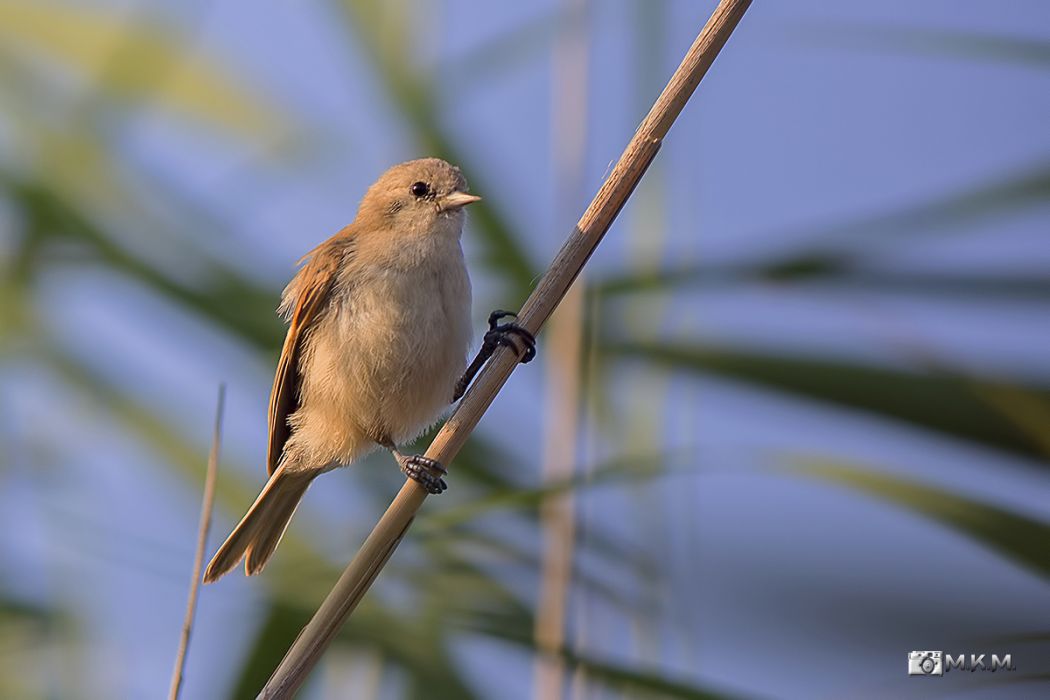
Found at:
(498, 334)
(501, 334)
(427, 472)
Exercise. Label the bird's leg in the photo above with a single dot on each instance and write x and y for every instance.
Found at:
(498, 334)
(427, 472)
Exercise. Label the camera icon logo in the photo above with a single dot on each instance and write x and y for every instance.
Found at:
(925, 663)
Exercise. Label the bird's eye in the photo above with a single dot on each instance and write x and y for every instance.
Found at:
(420, 189)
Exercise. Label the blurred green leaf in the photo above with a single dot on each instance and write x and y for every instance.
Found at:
(948, 213)
(613, 675)
(1028, 411)
(158, 64)
(831, 249)
(529, 499)
(1009, 534)
(500, 550)
(19, 611)
(280, 626)
(831, 254)
(652, 682)
(940, 402)
(224, 297)
(143, 422)
(27, 632)
(403, 639)
(483, 462)
(423, 650)
(830, 273)
(1014, 50)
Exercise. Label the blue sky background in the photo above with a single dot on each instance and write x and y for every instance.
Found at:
(811, 119)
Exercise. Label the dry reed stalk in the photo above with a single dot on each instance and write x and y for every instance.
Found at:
(207, 503)
(563, 363)
(386, 535)
(578, 683)
(557, 510)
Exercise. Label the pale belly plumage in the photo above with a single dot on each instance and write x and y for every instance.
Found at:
(383, 361)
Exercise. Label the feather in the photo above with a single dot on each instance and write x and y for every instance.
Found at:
(303, 302)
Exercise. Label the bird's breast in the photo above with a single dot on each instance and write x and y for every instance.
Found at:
(394, 342)
(410, 311)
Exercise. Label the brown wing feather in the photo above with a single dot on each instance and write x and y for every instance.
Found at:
(311, 290)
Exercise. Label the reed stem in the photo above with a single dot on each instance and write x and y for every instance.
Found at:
(585, 237)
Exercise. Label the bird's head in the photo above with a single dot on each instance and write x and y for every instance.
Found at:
(418, 197)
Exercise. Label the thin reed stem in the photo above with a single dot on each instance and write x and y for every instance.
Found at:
(207, 504)
(563, 364)
(384, 538)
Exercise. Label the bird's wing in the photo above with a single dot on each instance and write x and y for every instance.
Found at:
(305, 298)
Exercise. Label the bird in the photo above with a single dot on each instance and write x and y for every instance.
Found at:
(379, 329)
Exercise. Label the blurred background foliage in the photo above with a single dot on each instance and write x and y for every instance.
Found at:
(161, 167)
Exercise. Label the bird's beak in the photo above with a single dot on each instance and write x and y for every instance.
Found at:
(456, 200)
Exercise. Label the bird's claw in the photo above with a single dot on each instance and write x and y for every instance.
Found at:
(500, 334)
(425, 471)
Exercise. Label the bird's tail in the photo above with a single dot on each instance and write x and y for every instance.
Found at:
(262, 527)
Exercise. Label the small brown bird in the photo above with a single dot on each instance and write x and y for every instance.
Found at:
(379, 329)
